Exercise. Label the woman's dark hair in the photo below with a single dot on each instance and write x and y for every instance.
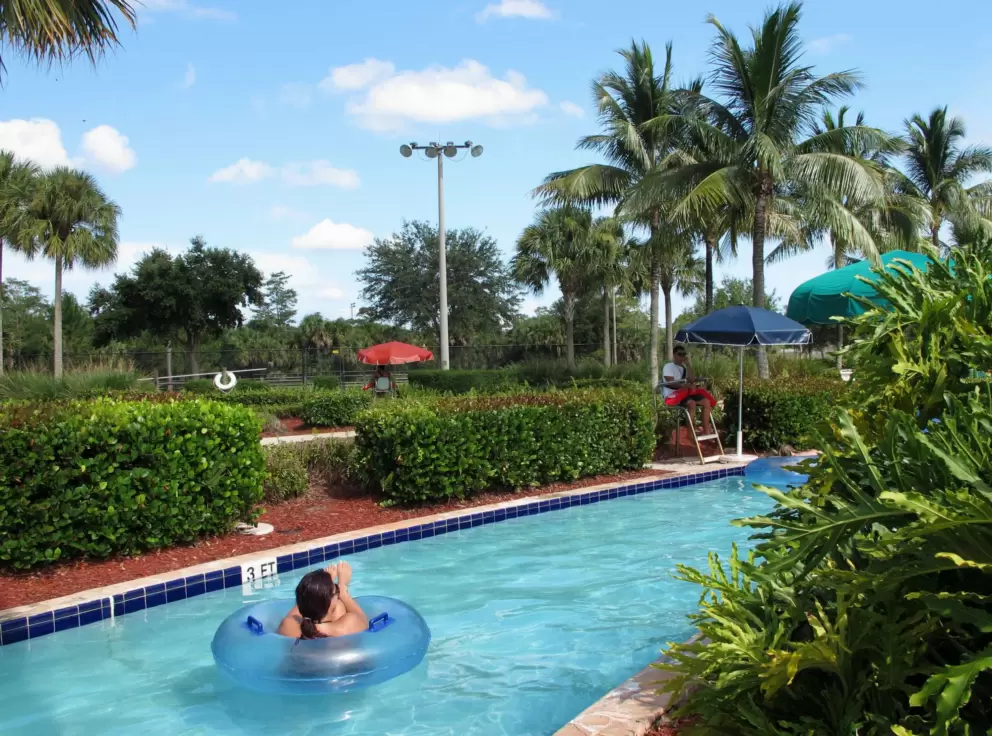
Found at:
(313, 597)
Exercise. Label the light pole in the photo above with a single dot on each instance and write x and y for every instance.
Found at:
(435, 150)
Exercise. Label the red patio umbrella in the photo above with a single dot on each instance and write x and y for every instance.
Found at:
(394, 353)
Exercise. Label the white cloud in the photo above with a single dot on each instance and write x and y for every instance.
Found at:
(316, 173)
(108, 148)
(188, 10)
(300, 174)
(36, 140)
(332, 293)
(442, 95)
(826, 44)
(243, 171)
(328, 235)
(282, 212)
(571, 109)
(533, 9)
(189, 79)
(296, 94)
(357, 76)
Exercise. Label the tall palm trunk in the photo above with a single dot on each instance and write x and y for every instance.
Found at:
(192, 354)
(606, 326)
(838, 259)
(569, 300)
(758, 261)
(57, 320)
(710, 241)
(655, 278)
(935, 230)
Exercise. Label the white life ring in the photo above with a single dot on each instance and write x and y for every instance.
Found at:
(219, 381)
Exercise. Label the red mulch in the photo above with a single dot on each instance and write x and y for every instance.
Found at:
(320, 513)
(294, 426)
(670, 729)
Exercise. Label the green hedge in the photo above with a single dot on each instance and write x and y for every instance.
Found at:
(417, 451)
(780, 413)
(462, 382)
(335, 408)
(107, 476)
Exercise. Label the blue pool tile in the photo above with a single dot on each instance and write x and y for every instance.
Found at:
(175, 594)
(477, 521)
(67, 622)
(215, 574)
(284, 564)
(173, 584)
(118, 606)
(491, 514)
(347, 547)
(134, 605)
(500, 515)
(477, 517)
(154, 589)
(66, 612)
(544, 505)
(232, 571)
(316, 555)
(155, 599)
(13, 635)
(415, 533)
(193, 579)
(194, 589)
(40, 618)
(12, 624)
(132, 594)
(331, 551)
(300, 559)
(213, 584)
(91, 617)
(511, 513)
(402, 535)
(41, 630)
(91, 606)
(452, 523)
(464, 522)
(438, 530)
(361, 544)
(427, 533)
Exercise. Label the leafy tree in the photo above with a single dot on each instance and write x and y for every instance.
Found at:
(401, 284)
(558, 246)
(194, 296)
(610, 268)
(26, 329)
(57, 30)
(634, 147)
(16, 180)
(939, 170)
(278, 306)
(731, 292)
(763, 135)
(69, 220)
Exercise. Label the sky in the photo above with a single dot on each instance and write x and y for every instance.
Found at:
(276, 133)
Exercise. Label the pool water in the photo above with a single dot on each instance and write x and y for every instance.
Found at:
(533, 619)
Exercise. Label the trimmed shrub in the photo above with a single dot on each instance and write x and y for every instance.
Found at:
(326, 383)
(28, 386)
(335, 408)
(421, 451)
(286, 472)
(462, 382)
(109, 476)
(777, 413)
(200, 386)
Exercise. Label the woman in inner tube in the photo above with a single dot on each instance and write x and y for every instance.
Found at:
(681, 387)
(324, 607)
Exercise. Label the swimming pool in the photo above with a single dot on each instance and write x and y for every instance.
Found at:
(533, 619)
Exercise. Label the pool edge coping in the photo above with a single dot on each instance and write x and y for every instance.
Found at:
(42, 618)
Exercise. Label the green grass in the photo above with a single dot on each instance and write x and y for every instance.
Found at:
(29, 386)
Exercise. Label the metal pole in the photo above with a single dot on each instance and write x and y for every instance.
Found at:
(740, 408)
(442, 262)
(168, 365)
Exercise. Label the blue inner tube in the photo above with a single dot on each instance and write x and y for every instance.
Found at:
(771, 471)
(247, 648)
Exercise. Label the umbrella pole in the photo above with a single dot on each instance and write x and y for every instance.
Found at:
(740, 407)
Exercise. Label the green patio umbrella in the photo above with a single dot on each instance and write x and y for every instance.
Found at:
(831, 294)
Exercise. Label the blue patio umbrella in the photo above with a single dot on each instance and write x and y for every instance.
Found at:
(742, 327)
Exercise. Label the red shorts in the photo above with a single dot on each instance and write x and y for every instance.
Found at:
(685, 395)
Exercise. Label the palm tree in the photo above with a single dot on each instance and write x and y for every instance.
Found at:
(679, 268)
(16, 179)
(69, 220)
(626, 103)
(57, 30)
(557, 245)
(607, 268)
(938, 169)
(763, 142)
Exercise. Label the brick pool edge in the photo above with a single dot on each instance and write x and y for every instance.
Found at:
(80, 609)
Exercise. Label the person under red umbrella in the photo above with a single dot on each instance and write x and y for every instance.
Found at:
(381, 371)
